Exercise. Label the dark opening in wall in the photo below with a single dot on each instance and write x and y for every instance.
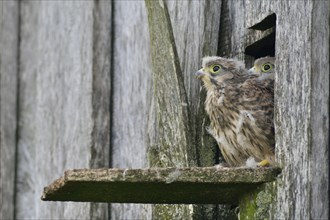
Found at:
(268, 22)
(264, 46)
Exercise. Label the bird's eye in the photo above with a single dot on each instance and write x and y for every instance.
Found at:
(215, 68)
(266, 67)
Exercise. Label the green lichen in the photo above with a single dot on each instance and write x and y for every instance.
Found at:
(168, 212)
(172, 127)
(257, 204)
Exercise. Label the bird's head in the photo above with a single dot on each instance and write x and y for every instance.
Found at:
(264, 67)
(217, 70)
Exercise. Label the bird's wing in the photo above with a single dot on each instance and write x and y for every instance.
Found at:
(258, 93)
(258, 98)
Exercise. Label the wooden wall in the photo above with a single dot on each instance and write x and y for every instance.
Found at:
(132, 96)
(8, 105)
(63, 105)
(77, 90)
(302, 104)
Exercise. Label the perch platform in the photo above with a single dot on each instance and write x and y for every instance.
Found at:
(195, 185)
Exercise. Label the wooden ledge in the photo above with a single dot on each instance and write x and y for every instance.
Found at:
(196, 185)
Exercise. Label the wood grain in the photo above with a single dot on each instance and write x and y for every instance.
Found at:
(26, 165)
(101, 93)
(319, 128)
(171, 143)
(302, 109)
(8, 105)
(59, 125)
(131, 98)
(206, 185)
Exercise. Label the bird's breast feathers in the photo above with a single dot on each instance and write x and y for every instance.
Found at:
(236, 124)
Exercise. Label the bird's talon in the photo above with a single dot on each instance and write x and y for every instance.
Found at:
(263, 163)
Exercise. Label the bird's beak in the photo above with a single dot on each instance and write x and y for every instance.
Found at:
(199, 74)
(252, 70)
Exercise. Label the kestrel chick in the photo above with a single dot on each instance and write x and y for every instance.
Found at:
(240, 108)
(264, 67)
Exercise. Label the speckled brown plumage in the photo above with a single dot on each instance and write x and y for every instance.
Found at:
(240, 108)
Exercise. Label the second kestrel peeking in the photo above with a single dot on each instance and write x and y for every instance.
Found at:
(264, 67)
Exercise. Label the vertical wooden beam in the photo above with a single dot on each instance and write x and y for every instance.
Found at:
(319, 128)
(101, 93)
(9, 41)
(171, 101)
(131, 98)
(302, 109)
(172, 142)
(102, 15)
(64, 100)
(232, 29)
(26, 166)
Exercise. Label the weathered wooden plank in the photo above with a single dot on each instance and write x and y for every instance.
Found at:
(172, 127)
(293, 121)
(170, 145)
(257, 11)
(8, 104)
(207, 185)
(101, 93)
(319, 128)
(102, 52)
(131, 85)
(64, 115)
(302, 109)
(232, 29)
(26, 166)
(131, 98)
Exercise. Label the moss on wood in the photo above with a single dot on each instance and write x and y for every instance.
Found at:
(208, 185)
(171, 107)
(257, 204)
(172, 143)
